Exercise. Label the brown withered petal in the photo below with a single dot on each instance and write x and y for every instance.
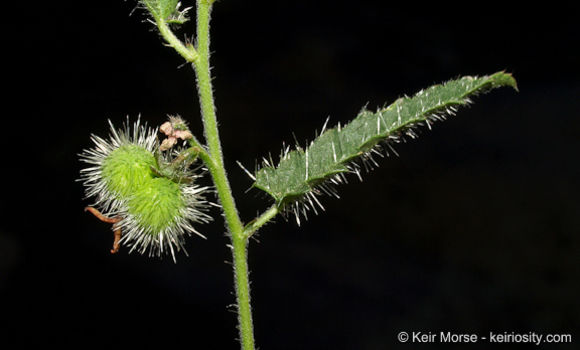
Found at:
(166, 128)
(182, 134)
(168, 143)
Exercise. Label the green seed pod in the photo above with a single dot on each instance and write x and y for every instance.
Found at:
(127, 168)
(155, 212)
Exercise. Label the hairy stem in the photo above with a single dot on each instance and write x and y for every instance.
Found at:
(213, 159)
(260, 221)
(217, 170)
(242, 282)
(186, 51)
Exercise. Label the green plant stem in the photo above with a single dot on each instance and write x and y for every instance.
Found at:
(217, 170)
(260, 221)
(242, 283)
(213, 159)
(186, 51)
(240, 257)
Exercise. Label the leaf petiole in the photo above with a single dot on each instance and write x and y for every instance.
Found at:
(260, 221)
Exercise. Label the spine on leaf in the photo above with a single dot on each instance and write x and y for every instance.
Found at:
(302, 174)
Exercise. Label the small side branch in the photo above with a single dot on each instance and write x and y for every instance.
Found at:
(186, 51)
(260, 221)
(201, 152)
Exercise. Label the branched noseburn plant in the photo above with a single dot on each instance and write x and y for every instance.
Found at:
(147, 189)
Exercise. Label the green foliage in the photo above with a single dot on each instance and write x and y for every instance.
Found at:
(166, 10)
(300, 172)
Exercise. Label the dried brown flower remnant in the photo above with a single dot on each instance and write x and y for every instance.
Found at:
(114, 221)
(172, 129)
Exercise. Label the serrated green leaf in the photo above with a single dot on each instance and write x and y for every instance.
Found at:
(167, 7)
(163, 9)
(299, 172)
(153, 7)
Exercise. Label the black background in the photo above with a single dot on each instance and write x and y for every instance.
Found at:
(474, 228)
